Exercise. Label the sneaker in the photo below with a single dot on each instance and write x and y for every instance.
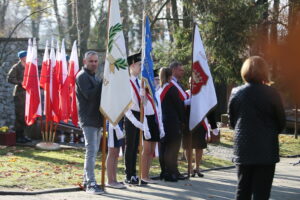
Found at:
(115, 185)
(132, 181)
(149, 181)
(93, 188)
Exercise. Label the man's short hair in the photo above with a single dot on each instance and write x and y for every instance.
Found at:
(255, 70)
(90, 53)
(174, 65)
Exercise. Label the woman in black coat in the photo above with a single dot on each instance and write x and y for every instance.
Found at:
(257, 116)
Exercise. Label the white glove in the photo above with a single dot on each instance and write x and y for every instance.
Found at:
(133, 120)
(215, 131)
(187, 102)
(147, 134)
(162, 132)
(119, 132)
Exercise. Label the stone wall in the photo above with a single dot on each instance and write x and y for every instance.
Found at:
(7, 114)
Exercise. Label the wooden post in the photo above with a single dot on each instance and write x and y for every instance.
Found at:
(296, 121)
(103, 154)
(141, 137)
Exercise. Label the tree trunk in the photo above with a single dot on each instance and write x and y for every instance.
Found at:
(58, 19)
(175, 13)
(71, 16)
(126, 23)
(3, 9)
(168, 15)
(83, 27)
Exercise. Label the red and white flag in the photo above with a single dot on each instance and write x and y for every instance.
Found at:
(45, 83)
(31, 84)
(203, 94)
(64, 97)
(73, 70)
(54, 82)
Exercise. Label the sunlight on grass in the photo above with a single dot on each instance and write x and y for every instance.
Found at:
(30, 169)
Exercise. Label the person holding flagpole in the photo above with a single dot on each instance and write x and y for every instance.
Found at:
(133, 125)
(115, 141)
(88, 95)
(151, 104)
(173, 117)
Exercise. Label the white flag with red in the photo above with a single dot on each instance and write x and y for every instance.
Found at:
(64, 95)
(203, 94)
(31, 84)
(73, 70)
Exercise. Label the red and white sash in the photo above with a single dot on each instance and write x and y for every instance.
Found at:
(182, 94)
(136, 91)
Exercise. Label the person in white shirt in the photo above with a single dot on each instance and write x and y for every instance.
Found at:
(132, 121)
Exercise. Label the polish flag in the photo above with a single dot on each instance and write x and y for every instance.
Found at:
(54, 86)
(73, 70)
(32, 85)
(64, 94)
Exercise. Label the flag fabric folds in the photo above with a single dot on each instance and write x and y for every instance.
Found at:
(73, 70)
(203, 95)
(147, 62)
(64, 96)
(45, 83)
(116, 89)
(31, 84)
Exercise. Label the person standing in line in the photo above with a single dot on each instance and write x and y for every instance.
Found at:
(257, 115)
(173, 117)
(15, 76)
(88, 94)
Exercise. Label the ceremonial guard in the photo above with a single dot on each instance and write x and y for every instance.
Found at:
(15, 76)
(132, 121)
(173, 117)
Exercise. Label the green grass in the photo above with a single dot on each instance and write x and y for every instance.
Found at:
(288, 145)
(29, 169)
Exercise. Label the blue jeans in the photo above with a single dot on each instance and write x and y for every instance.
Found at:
(92, 138)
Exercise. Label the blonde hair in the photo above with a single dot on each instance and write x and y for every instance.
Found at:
(165, 74)
(255, 70)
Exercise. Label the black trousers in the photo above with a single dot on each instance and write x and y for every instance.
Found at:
(20, 124)
(131, 146)
(168, 156)
(254, 181)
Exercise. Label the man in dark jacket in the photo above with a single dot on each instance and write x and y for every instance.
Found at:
(88, 93)
(15, 76)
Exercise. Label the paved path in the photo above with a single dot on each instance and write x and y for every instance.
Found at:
(215, 185)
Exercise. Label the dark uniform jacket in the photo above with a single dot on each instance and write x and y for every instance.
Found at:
(15, 76)
(257, 115)
(173, 113)
(88, 94)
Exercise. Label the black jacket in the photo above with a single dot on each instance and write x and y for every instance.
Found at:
(88, 94)
(172, 113)
(257, 115)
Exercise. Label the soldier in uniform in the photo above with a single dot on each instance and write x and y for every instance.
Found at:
(15, 76)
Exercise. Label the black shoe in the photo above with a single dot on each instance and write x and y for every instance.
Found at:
(21, 140)
(198, 173)
(161, 176)
(27, 139)
(181, 177)
(132, 181)
(171, 178)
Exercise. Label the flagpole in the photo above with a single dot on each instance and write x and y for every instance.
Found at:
(141, 135)
(54, 132)
(190, 153)
(103, 153)
(104, 118)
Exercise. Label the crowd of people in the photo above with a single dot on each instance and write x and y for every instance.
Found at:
(255, 110)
